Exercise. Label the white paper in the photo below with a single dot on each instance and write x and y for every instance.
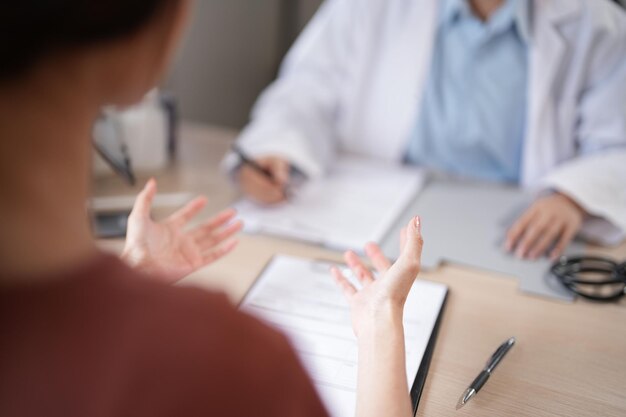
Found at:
(298, 297)
(357, 202)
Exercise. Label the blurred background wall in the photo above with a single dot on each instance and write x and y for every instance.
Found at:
(232, 51)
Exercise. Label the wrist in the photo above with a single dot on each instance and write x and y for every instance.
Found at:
(134, 259)
(572, 203)
(383, 322)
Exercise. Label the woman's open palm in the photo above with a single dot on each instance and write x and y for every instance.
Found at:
(170, 250)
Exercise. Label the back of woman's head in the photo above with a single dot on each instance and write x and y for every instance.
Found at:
(32, 29)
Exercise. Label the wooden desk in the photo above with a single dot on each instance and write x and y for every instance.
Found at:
(570, 359)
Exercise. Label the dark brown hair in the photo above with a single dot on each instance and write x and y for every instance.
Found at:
(31, 29)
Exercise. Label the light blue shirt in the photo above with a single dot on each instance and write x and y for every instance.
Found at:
(474, 104)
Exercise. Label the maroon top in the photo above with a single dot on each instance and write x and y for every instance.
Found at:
(105, 341)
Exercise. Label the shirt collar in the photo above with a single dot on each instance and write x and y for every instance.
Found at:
(517, 11)
(453, 10)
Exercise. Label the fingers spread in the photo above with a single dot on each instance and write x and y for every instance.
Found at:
(347, 288)
(143, 203)
(361, 271)
(214, 223)
(218, 236)
(379, 260)
(219, 252)
(185, 214)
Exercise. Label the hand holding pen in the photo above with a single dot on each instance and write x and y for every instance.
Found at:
(265, 179)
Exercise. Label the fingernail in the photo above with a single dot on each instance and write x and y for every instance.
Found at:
(418, 224)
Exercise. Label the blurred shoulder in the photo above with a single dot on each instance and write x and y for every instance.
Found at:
(214, 358)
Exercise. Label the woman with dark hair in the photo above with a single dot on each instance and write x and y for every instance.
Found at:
(83, 334)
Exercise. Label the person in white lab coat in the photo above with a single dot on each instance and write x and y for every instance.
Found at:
(531, 92)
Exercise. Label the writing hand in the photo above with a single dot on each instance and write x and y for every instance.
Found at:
(261, 188)
(169, 251)
(551, 222)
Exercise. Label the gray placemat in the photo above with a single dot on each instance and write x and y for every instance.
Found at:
(465, 223)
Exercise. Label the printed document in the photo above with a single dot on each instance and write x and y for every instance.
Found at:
(298, 297)
(358, 202)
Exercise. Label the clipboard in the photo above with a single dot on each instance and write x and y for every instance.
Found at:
(298, 297)
(422, 372)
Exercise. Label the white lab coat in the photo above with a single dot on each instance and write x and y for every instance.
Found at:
(353, 82)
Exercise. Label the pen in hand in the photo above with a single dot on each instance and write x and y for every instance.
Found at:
(484, 375)
(263, 171)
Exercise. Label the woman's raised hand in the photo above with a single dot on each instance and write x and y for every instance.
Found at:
(382, 299)
(168, 249)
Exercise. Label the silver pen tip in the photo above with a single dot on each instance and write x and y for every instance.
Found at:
(467, 395)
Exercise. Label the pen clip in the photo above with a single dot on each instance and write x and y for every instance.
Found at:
(497, 356)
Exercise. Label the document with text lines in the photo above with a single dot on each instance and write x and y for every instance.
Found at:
(298, 297)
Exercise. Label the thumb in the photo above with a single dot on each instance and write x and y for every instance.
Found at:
(411, 253)
(404, 272)
(402, 238)
(143, 203)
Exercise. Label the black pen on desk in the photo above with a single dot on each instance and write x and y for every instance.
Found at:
(246, 160)
(484, 375)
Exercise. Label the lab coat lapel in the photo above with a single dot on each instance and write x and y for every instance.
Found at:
(547, 52)
(418, 44)
(397, 83)
(426, 37)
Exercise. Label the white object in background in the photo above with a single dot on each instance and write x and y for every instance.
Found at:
(358, 202)
(298, 297)
(144, 129)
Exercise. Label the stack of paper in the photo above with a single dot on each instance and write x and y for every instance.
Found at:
(358, 202)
